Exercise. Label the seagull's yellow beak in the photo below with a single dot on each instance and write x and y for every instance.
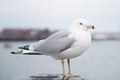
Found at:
(90, 27)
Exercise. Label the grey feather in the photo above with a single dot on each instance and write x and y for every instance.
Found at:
(54, 44)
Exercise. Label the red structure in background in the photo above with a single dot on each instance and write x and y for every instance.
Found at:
(35, 34)
(21, 34)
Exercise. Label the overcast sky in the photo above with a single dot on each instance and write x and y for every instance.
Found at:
(59, 14)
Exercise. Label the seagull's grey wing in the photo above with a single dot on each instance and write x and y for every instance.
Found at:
(56, 43)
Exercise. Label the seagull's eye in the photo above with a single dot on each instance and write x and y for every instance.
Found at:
(81, 23)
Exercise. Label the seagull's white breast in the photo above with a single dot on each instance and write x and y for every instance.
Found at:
(81, 44)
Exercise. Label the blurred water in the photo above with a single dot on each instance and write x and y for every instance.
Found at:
(100, 62)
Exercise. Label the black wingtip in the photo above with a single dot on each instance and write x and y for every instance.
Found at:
(19, 52)
(21, 47)
(13, 53)
(24, 47)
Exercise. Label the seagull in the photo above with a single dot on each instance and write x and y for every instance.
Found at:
(64, 44)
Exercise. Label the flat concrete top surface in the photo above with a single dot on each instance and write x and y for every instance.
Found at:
(53, 77)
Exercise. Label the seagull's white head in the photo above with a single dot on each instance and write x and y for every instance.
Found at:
(81, 24)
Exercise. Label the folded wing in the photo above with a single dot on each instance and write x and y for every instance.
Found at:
(54, 44)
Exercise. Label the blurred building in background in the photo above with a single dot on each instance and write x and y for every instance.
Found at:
(21, 34)
(106, 36)
(35, 34)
